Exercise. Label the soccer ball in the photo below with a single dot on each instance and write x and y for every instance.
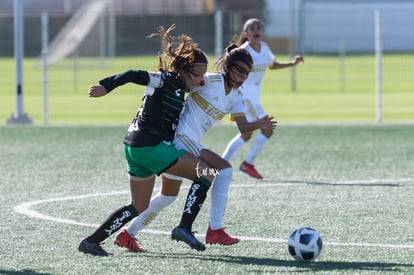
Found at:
(305, 244)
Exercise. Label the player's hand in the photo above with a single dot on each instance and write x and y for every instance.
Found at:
(297, 59)
(97, 91)
(267, 123)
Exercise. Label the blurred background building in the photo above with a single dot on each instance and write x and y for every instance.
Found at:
(305, 26)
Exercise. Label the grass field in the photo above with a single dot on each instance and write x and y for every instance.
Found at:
(327, 89)
(353, 183)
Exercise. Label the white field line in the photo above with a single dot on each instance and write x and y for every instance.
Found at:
(26, 209)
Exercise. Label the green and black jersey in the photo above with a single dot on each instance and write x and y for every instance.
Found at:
(163, 101)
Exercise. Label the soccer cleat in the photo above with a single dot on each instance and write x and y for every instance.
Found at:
(91, 248)
(182, 234)
(219, 236)
(123, 239)
(250, 170)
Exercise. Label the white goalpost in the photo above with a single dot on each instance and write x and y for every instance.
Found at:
(20, 117)
(218, 29)
(378, 65)
(45, 63)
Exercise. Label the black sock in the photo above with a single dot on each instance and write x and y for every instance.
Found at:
(118, 219)
(195, 199)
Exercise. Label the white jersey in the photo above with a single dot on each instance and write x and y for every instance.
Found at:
(204, 107)
(252, 87)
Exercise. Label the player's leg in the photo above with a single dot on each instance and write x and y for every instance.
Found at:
(260, 141)
(141, 185)
(234, 146)
(141, 190)
(191, 167)
(219, 194)
(169, 191)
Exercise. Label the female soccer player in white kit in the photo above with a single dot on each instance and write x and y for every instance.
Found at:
(204, 107)
(251, 40)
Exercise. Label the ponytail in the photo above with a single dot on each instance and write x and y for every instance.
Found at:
(233, 53)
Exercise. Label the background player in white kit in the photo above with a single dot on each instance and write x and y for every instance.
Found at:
(205, 106)
(251, 39)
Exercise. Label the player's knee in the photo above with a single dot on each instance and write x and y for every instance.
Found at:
(246, 136)
(267, 133)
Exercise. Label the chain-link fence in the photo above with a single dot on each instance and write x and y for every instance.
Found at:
(337, 42)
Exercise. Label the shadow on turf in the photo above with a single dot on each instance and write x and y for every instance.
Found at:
(314, 266)
(21, 272)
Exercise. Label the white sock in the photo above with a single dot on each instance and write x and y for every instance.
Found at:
(256, 148)
(157, 203)
(233, 147)
(219, 193)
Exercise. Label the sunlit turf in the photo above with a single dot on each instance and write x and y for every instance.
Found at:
(353, 183)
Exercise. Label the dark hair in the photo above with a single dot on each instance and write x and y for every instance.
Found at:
(232, 54)
(239, 40)
(178, 55)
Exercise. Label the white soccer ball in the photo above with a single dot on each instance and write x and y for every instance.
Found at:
(305, 244)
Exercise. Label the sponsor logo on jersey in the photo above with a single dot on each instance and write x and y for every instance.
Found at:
(207, 107)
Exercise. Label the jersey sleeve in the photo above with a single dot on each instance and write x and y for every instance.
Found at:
(238, 107)
(135, 76)
(235, 115)
(268, 54)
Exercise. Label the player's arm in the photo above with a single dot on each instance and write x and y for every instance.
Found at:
(266, 123)
(134, 76)
(110, 83)
(281, 65)
(131, 76)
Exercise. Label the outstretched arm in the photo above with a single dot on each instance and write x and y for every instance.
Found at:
(281, 65)
(110, 83)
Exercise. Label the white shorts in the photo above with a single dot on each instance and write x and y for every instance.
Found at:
(253, 110)
(184, 142)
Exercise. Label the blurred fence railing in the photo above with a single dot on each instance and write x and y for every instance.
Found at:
(340, 66)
